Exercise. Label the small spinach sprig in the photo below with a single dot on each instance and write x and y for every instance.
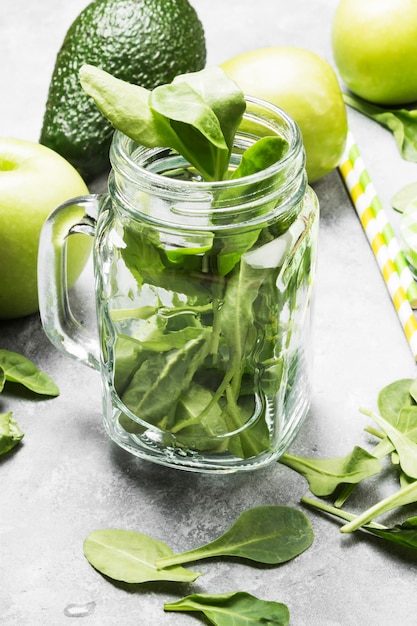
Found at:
(233, 609)
(397, 440)
(16, 368)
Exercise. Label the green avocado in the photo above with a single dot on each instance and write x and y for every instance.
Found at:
(145, 42)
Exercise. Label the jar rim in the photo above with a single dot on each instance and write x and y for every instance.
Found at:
(122, 148)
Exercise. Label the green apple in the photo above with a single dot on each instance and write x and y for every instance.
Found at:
(34, 180)
(375, 49)
(306, 87)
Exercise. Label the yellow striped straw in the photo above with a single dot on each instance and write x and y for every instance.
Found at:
(381, 237)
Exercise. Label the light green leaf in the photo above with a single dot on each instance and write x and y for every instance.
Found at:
(393, 397)
(126, 106)
(130, 556)
(405, 447)
(405, 197)
(19, 369)
(401, 122)
(10, 433)
(233, 609)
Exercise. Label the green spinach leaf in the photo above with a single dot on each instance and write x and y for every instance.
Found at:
(224, 97)
(393, 397)
(266, 534)
(130, 556)
(171, 371)
(178, 115)
(233, 609)
(10, 432)
(401, 122)
(404, 534)
(19, 369)
(325, 475)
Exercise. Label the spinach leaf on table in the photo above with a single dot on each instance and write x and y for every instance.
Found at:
(405, 447)
(130, 557)
(325, 475)
(10, 432)
(233, 609)
(401, 122)
(394, 397)
(404, 534)
(265, 534)
(18, 369)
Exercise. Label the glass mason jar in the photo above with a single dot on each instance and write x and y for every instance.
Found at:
(203, 298)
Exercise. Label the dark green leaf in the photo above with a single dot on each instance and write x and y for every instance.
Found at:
(19, 369)
(266, 534)
(10, 433)
(324, 475)
(401, 122)
(130, 557)
(261, 155)
(2, 379)
(233, 609)
(171, 371)
(404, 534)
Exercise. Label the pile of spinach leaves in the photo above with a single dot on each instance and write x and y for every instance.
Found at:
(215, 341)
(395, 452)
(16, 368)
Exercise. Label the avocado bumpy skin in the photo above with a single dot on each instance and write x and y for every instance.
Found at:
(145, 42)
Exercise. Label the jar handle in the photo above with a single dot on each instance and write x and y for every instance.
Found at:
(77, 215)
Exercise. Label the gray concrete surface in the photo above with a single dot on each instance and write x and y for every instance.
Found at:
(68, 479)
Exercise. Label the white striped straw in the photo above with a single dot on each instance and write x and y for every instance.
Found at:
(390, 259)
